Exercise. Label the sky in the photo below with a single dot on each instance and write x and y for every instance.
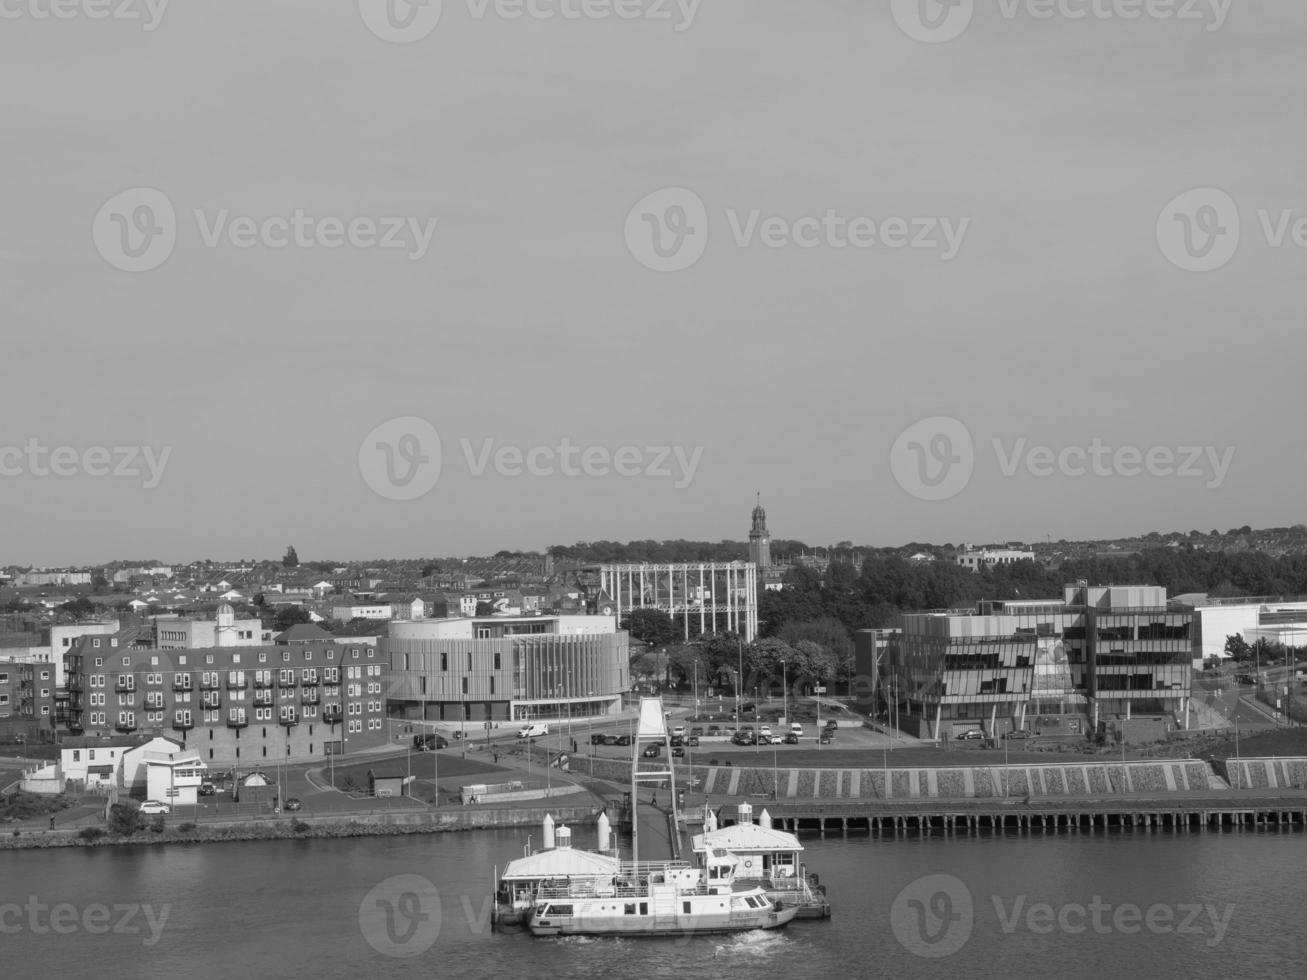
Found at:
(350, 277)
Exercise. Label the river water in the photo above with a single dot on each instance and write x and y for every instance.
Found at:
(1086, 905)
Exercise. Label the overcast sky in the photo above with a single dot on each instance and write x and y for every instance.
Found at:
(1040, 289)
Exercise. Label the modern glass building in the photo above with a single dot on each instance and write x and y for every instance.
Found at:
(1054, 665)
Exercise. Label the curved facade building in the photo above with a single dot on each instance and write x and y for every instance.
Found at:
(506, 668)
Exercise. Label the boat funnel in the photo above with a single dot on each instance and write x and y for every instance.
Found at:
(605, 828)
(563, 837)
(548, 825)
(709, 819)
(764, 819)
(746, 813)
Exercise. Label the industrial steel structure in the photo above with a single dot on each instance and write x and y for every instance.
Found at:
(702, 597)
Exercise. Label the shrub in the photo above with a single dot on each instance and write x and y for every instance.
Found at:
(300, 827)
(157, 824)
(90, 834)
(124, 820)
(186, 828)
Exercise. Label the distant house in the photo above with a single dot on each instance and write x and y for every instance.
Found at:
(302, 633)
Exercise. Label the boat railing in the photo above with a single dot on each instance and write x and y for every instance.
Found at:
(590, 889)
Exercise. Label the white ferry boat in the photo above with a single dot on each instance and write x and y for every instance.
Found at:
(564, 892)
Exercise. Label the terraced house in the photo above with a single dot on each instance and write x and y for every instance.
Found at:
(244, 704)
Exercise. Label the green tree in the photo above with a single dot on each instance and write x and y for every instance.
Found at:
(291, 559)
(125, 820)
(1237, 647)
(651, 626)
(289, 616)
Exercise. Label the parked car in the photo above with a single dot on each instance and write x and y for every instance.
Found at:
(538, 730)
(744, 738)
(698, 729)
(827, 736)
(623, 739)
(796, 728)
(679, 751)
(294, 804)
(765, 730)
(791, 739)
(746, 708)
(597, 738)
(832, 723)
(771, 740)
(1019, 733)
(611, 740)
(208, 789)
(155, 806)
(679, 730)
(652, 752)
(678, 740)
(971, 734)
(692, 741)
(426, 743)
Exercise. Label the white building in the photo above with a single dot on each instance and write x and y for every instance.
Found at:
(978, 558)
(1215, 620)
(173, 777)
(225, 630)
(375, 610)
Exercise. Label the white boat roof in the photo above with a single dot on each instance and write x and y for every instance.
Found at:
(748, 838)
(560, 862)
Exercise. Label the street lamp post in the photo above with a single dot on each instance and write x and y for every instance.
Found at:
(785, 694)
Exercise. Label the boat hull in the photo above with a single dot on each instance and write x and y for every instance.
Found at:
(603, 924)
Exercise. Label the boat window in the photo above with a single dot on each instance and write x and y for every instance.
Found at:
(685, 907)
(644, 908)
(559, 910)
(630, 908)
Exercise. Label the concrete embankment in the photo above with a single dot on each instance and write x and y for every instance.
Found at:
(295, 827)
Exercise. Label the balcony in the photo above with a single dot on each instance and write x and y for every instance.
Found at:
(262, 681)
(125, 685)
(263, 699)
(310, 697)
(210, 683)
(236, 719)
(290, 720)
(311, 681)
(286, 682)
(154, 703)
(127, 724)
(181, 683)
(330, 717)
(211, 699)
(183, 723)
(237, 684)
(75, 683)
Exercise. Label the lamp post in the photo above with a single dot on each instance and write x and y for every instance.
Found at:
(785, 694)
(739, 679)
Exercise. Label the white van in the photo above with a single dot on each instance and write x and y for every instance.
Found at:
(796, 728)
(534, 731)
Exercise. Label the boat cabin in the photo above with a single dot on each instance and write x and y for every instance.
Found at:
(761, 852)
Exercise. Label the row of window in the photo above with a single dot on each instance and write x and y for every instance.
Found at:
(354, 654)
(4, 677)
